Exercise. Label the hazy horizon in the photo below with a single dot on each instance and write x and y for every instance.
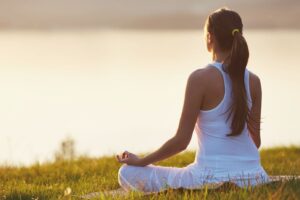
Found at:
(139, 14)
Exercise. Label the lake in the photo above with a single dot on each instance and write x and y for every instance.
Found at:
(115, 90)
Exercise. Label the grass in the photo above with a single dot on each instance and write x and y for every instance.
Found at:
(85, 175)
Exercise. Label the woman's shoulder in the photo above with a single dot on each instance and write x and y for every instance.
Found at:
(255, 84)
(203, 74)
(254, 77)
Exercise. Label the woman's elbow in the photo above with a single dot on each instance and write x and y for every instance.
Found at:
(182, 145)
(182, 148)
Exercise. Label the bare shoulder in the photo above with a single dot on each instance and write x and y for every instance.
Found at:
(254, 78)
(202, 75)
(200, 80)
(255, 85)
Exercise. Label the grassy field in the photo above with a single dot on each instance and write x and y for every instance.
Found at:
(86, 175)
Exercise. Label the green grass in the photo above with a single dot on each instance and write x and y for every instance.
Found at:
(85, 175)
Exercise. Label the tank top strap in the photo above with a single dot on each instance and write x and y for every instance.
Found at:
(225, 76)
(227, 82)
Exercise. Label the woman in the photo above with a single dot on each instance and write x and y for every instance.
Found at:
(223, 102)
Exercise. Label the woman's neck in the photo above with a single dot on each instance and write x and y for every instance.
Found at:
(220, 56)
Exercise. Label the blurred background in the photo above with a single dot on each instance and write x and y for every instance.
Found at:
(110, 76)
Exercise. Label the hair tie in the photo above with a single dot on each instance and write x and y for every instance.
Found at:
(234, 30)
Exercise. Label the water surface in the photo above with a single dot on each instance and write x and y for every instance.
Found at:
(123, 90)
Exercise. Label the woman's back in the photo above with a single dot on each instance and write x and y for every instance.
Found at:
(216, 149)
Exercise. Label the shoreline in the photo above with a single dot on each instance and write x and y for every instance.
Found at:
(190, 152)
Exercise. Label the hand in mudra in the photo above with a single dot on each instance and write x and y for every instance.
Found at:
(129, 159)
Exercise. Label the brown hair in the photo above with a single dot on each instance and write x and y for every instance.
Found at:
(222, 24)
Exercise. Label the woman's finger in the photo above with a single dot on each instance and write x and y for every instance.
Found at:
(124, 157)
(122, 160)
(118, 158)
(124, 154)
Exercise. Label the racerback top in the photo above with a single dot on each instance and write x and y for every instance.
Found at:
(216, 149)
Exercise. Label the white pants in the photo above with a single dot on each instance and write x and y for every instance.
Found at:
(154, 178)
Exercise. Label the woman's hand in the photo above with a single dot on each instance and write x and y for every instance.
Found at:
(130, 159)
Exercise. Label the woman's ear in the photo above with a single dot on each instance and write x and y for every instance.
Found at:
(209, 41)
(208, 36)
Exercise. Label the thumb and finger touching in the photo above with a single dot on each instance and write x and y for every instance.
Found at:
(124, 156)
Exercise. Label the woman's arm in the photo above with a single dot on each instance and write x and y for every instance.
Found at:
(192, 104)
(255, 112)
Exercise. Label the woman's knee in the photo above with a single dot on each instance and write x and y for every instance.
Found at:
(122, 175)
(122, 170)
(132, 177)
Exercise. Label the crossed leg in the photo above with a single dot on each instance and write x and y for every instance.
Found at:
(154, 178)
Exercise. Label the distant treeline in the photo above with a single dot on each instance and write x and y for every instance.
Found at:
(142, 14)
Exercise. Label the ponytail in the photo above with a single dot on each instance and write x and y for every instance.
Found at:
(236, 69)
(227, 27)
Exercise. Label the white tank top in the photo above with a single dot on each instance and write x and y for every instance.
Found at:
(216, 149)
